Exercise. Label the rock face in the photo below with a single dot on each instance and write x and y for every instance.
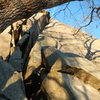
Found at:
(76, 51)
(16, 44)
(81, 44)
(67, 81)
(62, 39)
(35, 60)
(4, 45)
(55, 64)
(11, 84)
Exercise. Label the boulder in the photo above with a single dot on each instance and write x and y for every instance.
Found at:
(11, 84)
(35, 60)
(5, 40)
(16, 59)
(81, 44)
(37, 23)
(71, 86)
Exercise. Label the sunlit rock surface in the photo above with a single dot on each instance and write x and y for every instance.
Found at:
(56, 47)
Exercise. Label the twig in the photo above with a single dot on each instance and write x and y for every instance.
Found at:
(91, 18)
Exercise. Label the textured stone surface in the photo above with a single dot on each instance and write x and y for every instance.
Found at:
(78, 86)
(78, 47)
(75, 51)
(15, 60)
(11, 84)
(34, 60)
(36, 24)
(65, 49)
(81, 44)
(4, 44)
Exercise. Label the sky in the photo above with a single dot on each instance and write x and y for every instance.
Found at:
(75, 14)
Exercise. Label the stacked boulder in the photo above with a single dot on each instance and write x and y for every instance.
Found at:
(47, 60)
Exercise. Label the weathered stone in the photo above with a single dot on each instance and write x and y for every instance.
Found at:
(68, 84)
(22, 41)
(5, 39)
(53, 87)
(53, 84)
(80, 90)
(47, 40)
(16, 59)
(11, 85)
(82, 75)
(36, 23)
(34, 60)
(72, 47)
(81, 44)
(71, 51)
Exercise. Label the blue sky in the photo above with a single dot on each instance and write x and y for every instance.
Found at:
(75, 14)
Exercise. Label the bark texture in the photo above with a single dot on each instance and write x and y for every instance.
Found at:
(13, 10)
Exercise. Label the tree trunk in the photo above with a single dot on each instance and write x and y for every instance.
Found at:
(13, 10)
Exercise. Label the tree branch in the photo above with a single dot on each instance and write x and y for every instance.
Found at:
(91, 18)
(14, 10)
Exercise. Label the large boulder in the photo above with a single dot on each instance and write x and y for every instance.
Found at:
(11, 84)
(66, 81)
(35, 60)
(81, 44)
(67, 53)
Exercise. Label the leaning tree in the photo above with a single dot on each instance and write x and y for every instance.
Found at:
(14, 10)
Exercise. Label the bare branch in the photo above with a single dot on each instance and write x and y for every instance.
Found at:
(14, 10)
(91, 18)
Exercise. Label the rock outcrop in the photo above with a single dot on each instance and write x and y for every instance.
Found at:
(55, 64)
(66, 49)
(15, 54)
